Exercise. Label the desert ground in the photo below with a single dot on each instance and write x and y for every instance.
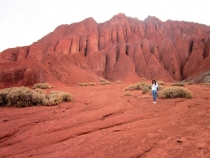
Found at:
(102, 122)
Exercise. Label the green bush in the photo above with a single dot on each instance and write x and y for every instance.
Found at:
(42, 86)
(23, 97)
(175, 92)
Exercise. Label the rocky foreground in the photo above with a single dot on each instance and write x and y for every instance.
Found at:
(102, 122)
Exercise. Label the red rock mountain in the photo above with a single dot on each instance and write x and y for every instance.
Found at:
(122, 48)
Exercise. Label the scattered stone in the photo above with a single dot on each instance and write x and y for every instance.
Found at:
(37, 121)
(208, 127)
(179, 141)
(5, 120)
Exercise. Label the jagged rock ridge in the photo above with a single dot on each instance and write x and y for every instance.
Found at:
(122, 48)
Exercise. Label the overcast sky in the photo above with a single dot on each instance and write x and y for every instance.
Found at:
(23, 22)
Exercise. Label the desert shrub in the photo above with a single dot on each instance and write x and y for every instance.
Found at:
(161, 88)
(206, 84)
(83, 84)
(127, 93)
(39, 97)
(131, 88)
(189, 83)
(23, 97)
(119, 82)
(102, 80)
(175, 92)
(42, 86)
(91, 84)
(104, 83)
(56, 97)
(145, 89)
(160, 83)
(138, 86)
(87, 84)
(177, 84)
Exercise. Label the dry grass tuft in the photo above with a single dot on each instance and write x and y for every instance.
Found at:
(177, 84)
(23, 97)
(175, 92)
(104, 83)
(87, 84)
(128, 93)
(145, 89)
(42, 86)
(91, 84)
(56, 97)
(138, 86)
(83, 84)
(160, 83)
(118, 82)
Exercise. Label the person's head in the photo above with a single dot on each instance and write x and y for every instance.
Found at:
(153, 82)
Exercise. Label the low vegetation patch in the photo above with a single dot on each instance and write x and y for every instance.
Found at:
(87, 84)
(160, 83)
(119, 82)
(175, 92)
(23, 97)
(128, 93)
(145, 90)
(42, 86)
(104, 82)
(177, 84)
(138, 86)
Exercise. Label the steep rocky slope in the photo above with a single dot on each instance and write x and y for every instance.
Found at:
(122, 48)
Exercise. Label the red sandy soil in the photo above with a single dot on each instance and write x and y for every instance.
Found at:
(102, 122)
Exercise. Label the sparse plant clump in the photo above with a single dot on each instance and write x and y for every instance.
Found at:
(104, 82)
(87, 84)
(127, 93)
(160, 83)
(160, 88)
(131, 88)
(119, 82)
(42, 86)
(56, 97)
(138, 86)
(23, 97)
(175, 92)
(206, 84)
(177, 84)
(145, 89)
(91, 84)
(83, 84)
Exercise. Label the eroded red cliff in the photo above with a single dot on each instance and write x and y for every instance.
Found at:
(122, 48)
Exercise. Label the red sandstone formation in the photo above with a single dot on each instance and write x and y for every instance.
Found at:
(122, 48)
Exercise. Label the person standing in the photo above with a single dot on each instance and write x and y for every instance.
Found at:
(154, 88)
